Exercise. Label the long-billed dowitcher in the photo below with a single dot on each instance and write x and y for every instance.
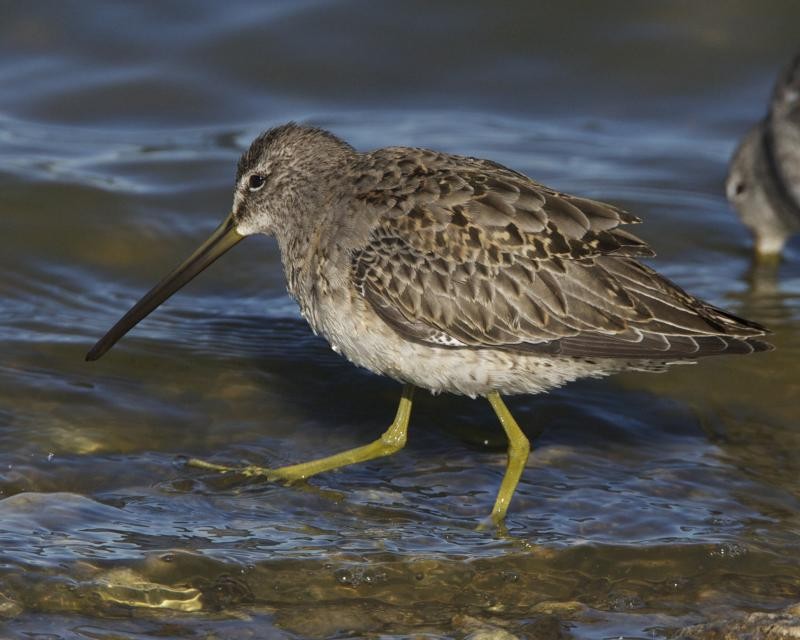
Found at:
(763, 182)
(452, 274)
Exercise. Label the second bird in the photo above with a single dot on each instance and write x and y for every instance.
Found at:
(453, 274)
(763, 183)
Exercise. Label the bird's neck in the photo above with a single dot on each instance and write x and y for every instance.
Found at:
(313, 252)
(297, 258)
(312, 264)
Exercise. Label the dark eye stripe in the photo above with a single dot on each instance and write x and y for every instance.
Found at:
(256, 181)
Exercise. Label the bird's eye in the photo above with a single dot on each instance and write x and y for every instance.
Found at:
(740, 188)
(256, 181)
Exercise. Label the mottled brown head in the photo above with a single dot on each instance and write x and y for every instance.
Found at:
(278, 177)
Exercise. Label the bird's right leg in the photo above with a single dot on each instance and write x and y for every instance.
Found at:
(518, 450)
(392, 440)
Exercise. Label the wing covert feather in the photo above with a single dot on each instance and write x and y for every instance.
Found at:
(468, 254)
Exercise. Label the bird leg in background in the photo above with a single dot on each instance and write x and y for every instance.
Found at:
(392, 440)
(518, 450)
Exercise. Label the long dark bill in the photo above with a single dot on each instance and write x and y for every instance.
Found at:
(220, 241)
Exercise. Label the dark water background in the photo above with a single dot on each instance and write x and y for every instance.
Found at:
(650, 501)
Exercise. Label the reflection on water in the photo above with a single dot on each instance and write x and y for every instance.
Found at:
(651, 502)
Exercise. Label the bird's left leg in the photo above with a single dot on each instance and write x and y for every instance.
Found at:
(518, 450)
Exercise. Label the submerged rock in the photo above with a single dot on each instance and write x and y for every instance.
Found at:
(781, 625)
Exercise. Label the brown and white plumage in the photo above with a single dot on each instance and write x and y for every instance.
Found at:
(470, 261)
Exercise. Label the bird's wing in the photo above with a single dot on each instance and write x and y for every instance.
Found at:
(465, 253)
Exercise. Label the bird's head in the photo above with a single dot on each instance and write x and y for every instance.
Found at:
(750, 190)
(278, 178)
(282, 173)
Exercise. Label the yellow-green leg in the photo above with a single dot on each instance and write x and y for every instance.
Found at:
(518, 450)
(392, 440)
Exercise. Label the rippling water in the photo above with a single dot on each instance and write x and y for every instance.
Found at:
(650, 501)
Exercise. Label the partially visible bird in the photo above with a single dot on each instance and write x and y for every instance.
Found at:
(763, 181)
(453, 274)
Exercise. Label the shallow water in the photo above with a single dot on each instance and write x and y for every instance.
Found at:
(650, 501)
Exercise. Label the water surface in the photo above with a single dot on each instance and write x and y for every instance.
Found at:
(650, 501)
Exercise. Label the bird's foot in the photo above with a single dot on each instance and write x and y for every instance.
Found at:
(493, 524)
(248, 471)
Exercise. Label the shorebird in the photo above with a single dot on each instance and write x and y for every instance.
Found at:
(453, 274)
(763, 182)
